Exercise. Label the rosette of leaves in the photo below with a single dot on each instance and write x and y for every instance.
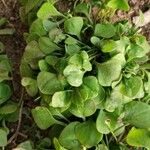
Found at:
(92, 78)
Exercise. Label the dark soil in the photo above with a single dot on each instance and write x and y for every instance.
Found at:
(15, 45)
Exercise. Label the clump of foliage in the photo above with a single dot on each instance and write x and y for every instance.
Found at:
(92, 79)
(8, 109)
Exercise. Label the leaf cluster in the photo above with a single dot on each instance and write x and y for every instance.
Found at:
(92, 78)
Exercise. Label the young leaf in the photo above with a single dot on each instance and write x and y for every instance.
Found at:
(47, 10)
(43, 65)
(137, 114)
(139, 138)
(68, 138)
(119, 4)
(74, 26)
(3, 138)
(105, 30)
(108, 46)
(48, 83)
(87, 134)
(74, 75)
(43, 117)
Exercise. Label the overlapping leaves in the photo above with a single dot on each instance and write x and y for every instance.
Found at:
(94, 72)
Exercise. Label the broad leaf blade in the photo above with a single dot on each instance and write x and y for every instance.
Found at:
(137, 114)
(74, 26)
(47, 10)
(139, 138)
(43, 117)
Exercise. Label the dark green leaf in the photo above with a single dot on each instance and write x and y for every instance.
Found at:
(5, 92)
(87, 134)
(68, 138)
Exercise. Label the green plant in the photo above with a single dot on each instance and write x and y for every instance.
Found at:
(91, 79)
(8, 108)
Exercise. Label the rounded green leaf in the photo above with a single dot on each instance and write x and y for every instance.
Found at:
(90, 86)
(96, 41)
(3, 138)
(5, 92)
(105, 30)
(87, 134)
(61, 99)
(48, 83)
(32, 53)
(132, 87)
(139, 138)
(74, 26)
(47, 10)
(8, 109)
(108, 72)
(27, 145)
(137, 114)
(30, 85)
(108, 46)
(37, 28)
(119, 4)
(43, 117)
(68, 138)
(74, 75)
(106, 122)
(80, 109)
(82, 8)
(57, 145)
(43, 65)
(47, 46)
